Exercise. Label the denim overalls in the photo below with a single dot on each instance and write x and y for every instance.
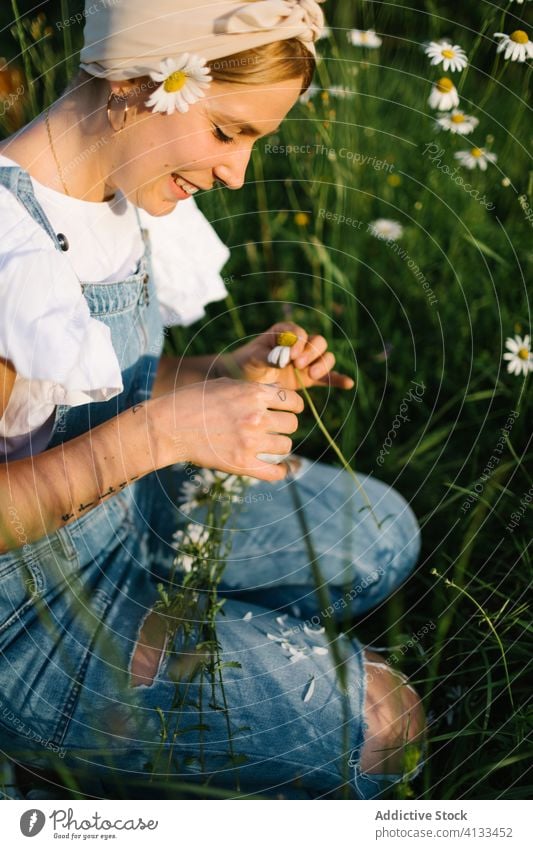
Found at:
(72, 606)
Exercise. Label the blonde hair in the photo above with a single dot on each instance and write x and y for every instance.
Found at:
(271, 63)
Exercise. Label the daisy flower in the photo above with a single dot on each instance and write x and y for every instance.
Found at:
(476, 157)
(280, 355)
(517, 46)
(457, 122)
(443, 95)
(386, 228)
(183, 82)
(519, 357)
(189, 544)
(364, 38)
(452, 56)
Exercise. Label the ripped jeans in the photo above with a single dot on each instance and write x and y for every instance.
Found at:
(74, 606)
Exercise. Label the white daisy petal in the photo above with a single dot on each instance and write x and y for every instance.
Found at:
(295, 658)
(274, 354)
(312, 632)
(285, 356)
(309, 690)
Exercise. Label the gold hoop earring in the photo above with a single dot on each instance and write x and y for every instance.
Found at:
(113, 100)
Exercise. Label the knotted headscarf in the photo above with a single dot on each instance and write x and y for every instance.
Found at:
(130, 38)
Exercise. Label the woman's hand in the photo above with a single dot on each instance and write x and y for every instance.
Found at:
(224, 424)
(309, 354)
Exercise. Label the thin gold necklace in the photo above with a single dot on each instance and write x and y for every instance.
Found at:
(58, 166)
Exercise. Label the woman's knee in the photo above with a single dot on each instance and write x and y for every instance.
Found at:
(395, 718)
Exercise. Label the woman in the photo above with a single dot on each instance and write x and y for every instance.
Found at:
(92, 414)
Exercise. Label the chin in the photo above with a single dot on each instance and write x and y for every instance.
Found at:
(159, 210)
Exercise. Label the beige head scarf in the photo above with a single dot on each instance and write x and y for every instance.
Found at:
(130, 38)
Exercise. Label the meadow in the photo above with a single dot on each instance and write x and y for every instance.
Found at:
(359, 222)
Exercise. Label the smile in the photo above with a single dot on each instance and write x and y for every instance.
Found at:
(188, 188)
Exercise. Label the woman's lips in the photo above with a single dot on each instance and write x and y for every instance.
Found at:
(176, 190)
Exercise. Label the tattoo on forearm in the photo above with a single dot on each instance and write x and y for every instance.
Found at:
(67, 516)
(136, 408)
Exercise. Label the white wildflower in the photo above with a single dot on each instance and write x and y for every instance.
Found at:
(364, 38)
(183, 82)
(520, 360)
(457, 122)
(476, 157)
(386, 228)
(451, 56)
(518, 46)
(443, 95)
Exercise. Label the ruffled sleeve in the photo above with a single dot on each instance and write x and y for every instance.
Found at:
(46, 329)
(187, 257)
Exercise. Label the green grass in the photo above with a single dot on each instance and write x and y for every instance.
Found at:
(473, 666)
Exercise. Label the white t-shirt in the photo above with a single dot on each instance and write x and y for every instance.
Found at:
(60, 353)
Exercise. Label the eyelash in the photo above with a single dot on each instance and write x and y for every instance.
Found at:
(222, 137)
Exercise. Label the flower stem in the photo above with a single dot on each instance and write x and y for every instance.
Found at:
(486, 617)
(333, 444)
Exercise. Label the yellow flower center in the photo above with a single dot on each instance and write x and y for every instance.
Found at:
(448, 54)
(287, 338)
(458, 118)
(476, 151)
(301, 219)
(519, 36)
(394, 179)
(175, 81)
(363, 36)
(445, 85)
(523, 353)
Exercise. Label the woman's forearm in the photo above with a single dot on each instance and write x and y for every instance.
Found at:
(40, 494)
(180, 371)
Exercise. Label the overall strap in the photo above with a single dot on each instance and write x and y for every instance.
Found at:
(18, 182)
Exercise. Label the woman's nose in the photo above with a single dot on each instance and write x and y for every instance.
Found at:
(232, 172)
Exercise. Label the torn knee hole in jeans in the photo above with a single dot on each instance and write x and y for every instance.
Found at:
(150, 649)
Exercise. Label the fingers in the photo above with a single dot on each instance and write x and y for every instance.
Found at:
(299, 346)
(312, 350)
(321, 366)
(282, 422)
(276, 443)
(338, 380)
(279, 398)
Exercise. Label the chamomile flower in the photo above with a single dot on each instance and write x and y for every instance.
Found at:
(457, 122)
(520, 359)
(517, 46)
(443, 95)
(451, 56)
(280, 355)
(364, 38)
(189, 544)
(183, 82)
(476, 157)
(386, 228)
